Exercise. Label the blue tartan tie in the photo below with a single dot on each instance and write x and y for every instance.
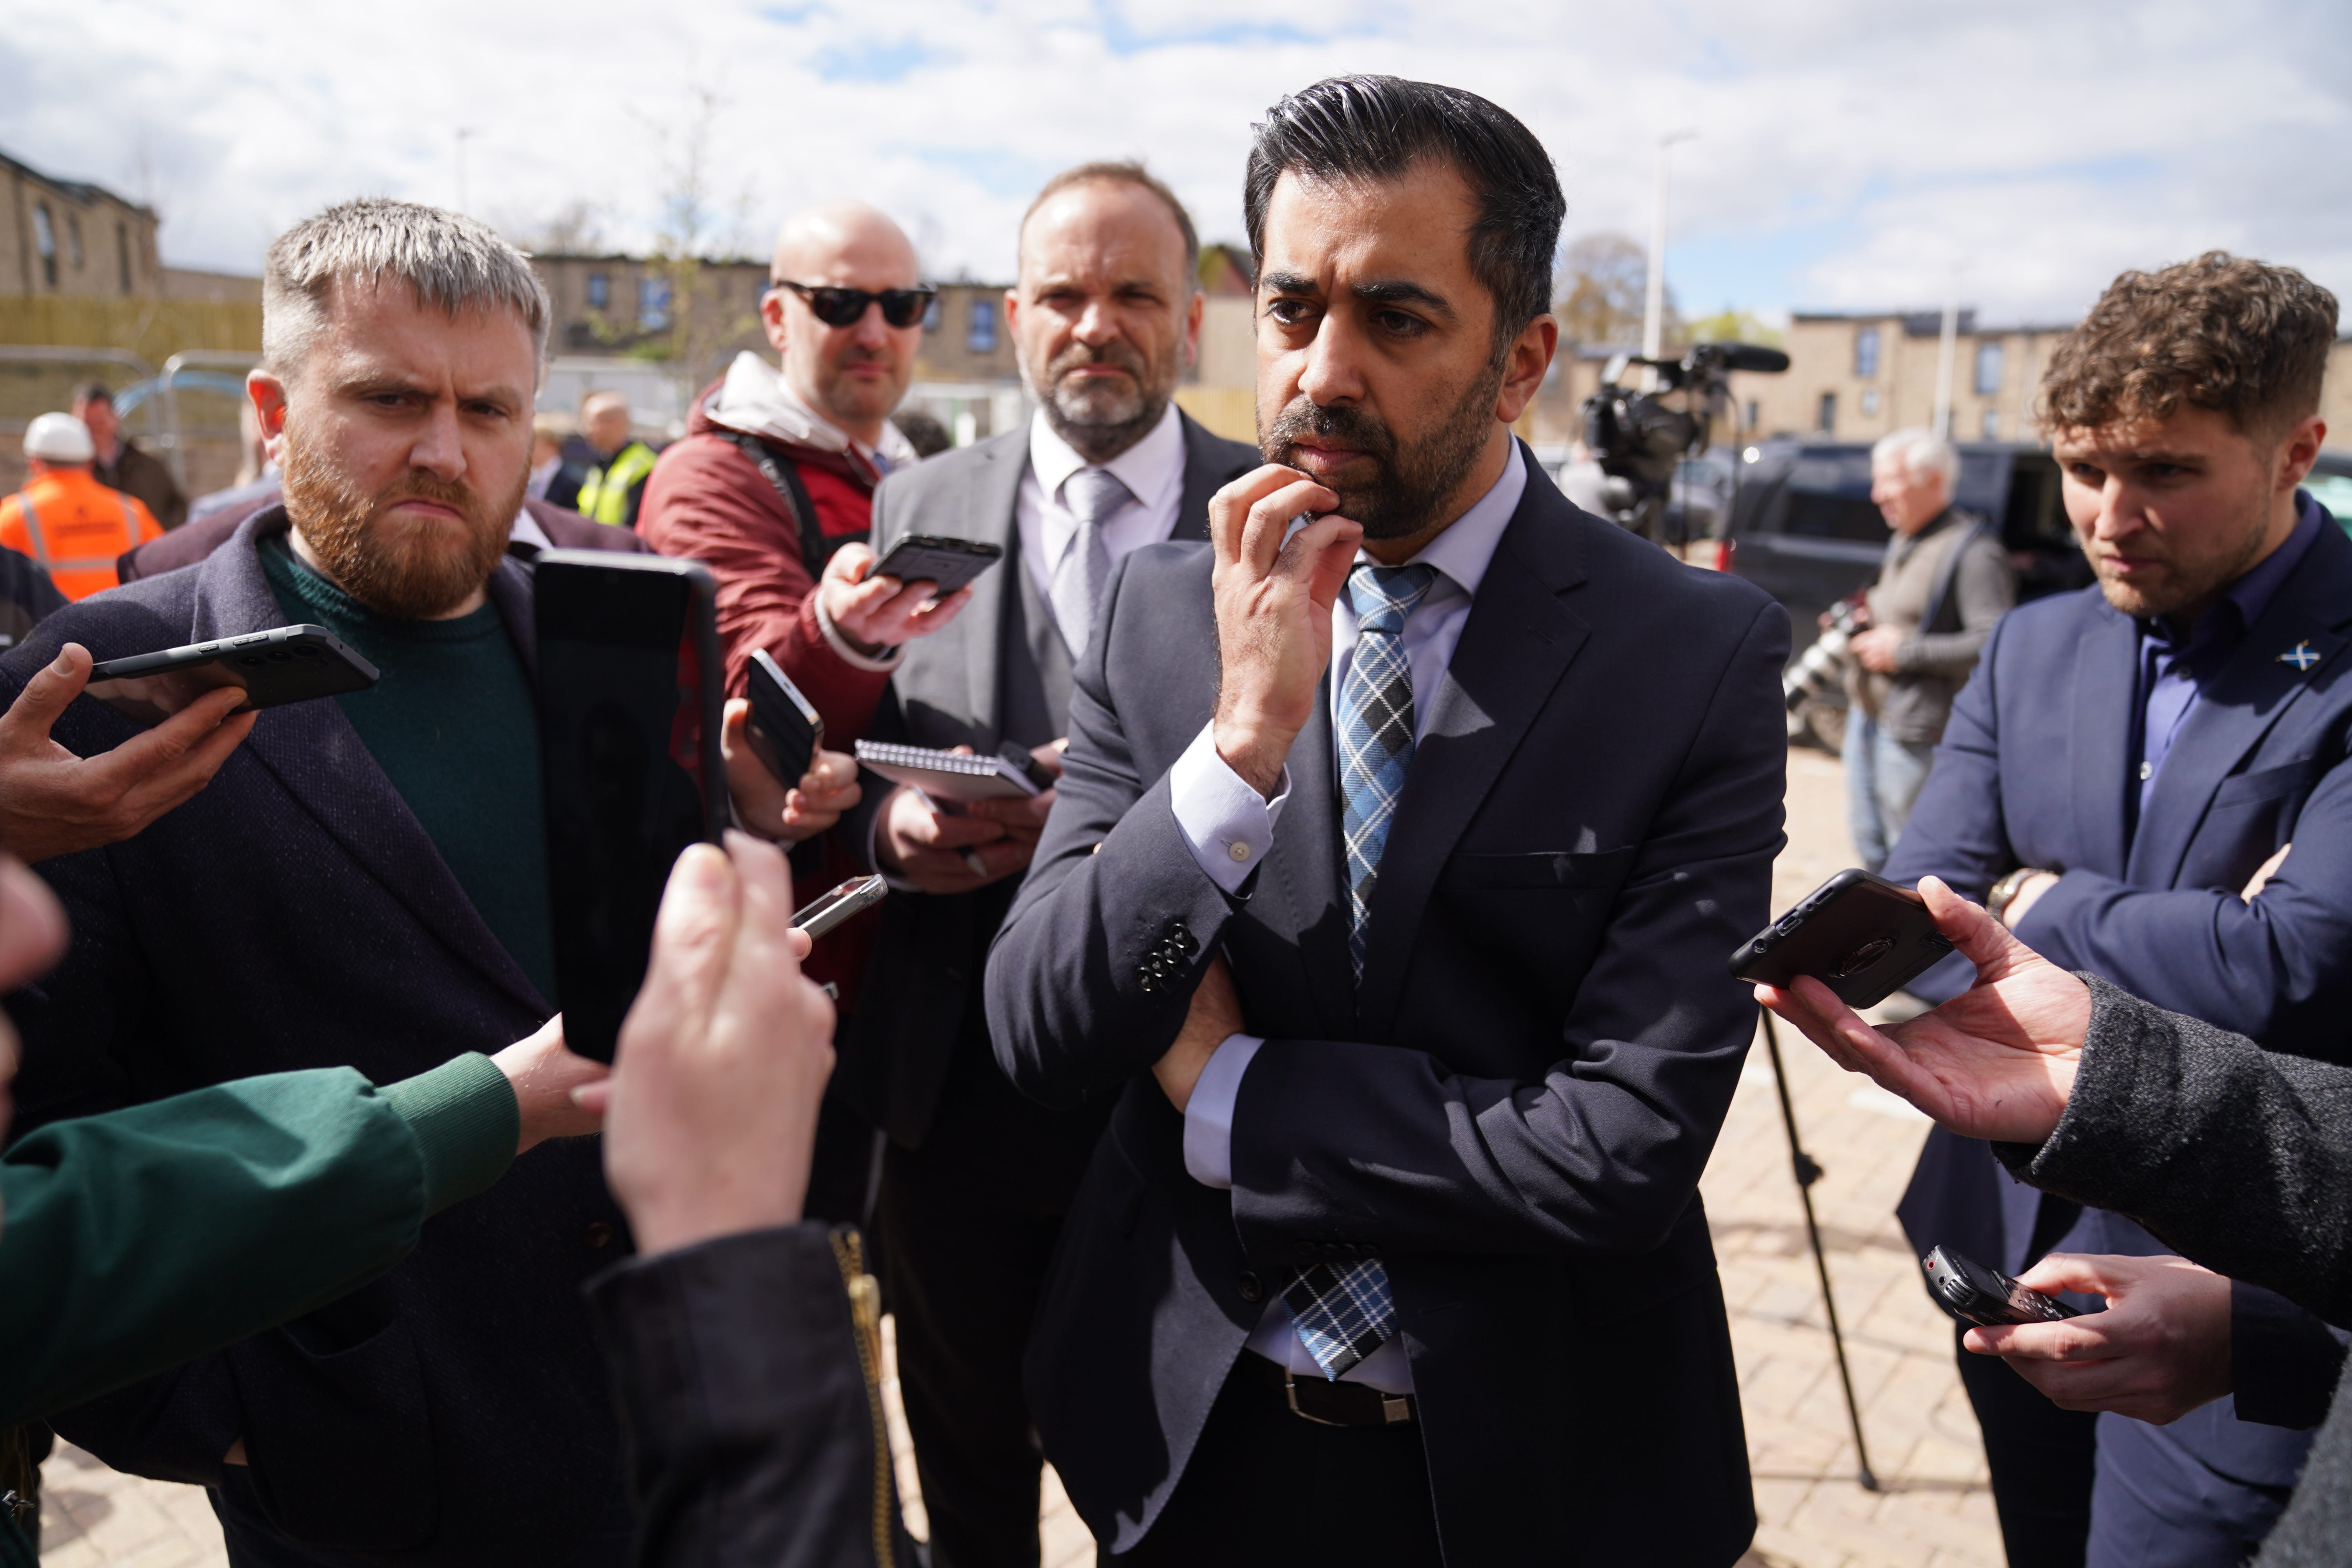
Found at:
(1343, 1311)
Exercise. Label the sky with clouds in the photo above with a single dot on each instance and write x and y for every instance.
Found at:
(1847, 154)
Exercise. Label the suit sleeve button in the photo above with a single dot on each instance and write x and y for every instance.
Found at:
(599, 1234)
(1250, 1286)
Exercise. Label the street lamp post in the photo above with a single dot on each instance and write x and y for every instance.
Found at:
(1654, 306)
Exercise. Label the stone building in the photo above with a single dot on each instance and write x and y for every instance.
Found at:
(68, 239)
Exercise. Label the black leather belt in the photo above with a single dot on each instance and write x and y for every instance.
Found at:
(1329, 1404)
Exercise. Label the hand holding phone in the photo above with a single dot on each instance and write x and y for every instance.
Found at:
(943, 560)
(875, 613)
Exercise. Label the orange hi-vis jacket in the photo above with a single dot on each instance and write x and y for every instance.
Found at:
(74, 527)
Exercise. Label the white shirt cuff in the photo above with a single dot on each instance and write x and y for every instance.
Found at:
(1209, 1114)
(1228, 825)
(835, 640)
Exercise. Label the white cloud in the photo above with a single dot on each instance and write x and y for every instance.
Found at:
(1849, 152)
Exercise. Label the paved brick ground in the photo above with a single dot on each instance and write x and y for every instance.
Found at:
(1932, 1510)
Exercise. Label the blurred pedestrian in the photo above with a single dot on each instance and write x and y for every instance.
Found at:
(613, 486)
(2120, 780)
(257, 475)
(554, 479)
(1944, 582)
(926, 434)
(119, 463)
(68, 523)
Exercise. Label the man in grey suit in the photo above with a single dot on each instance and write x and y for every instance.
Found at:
(976, 1178)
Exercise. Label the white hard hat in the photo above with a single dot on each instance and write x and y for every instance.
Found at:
(59, 438)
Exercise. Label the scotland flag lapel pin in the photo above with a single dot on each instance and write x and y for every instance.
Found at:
(2300, 656)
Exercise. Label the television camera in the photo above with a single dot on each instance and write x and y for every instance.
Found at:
(1639, 438)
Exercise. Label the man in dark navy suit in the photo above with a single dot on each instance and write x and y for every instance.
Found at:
(2122, 782)
(1389, 891)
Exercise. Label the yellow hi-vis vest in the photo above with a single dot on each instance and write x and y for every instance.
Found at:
(605, 493)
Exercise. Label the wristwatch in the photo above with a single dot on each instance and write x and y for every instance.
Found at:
(1997, 900)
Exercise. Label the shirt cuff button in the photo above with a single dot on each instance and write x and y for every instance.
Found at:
(1238, 850)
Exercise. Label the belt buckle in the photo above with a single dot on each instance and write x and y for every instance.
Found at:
(1290, 1390)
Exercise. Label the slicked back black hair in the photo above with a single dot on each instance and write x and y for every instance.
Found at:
(1376, 126)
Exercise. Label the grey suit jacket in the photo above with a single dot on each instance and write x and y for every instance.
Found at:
(999, 672)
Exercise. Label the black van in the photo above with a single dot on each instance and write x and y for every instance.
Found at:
(1803, 528)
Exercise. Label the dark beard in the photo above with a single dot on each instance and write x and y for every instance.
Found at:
(407, 571)
(1100, 427)
(1410, 482)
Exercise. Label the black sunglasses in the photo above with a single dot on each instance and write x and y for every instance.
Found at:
(843, 306)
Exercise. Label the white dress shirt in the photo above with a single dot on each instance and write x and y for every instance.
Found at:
(1152, 470)
(1230, 827)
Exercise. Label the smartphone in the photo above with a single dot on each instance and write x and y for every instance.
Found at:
(853, 897)
(1986, 1297)
(290, 663)
(941, 559)
(785, 728)
(1861, 936)
(630, 684)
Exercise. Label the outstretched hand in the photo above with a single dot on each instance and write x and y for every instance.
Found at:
(1996, 1062)
(55, 802)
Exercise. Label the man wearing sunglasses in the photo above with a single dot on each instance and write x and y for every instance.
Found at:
(773, 483)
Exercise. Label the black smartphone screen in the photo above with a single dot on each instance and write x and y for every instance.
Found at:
(1861, 936)
(628, 714)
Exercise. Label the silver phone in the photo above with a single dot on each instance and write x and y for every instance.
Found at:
(852, 897)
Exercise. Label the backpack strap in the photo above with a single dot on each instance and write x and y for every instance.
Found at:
(816, 548)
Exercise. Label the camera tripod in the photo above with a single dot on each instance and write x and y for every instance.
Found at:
(1808, 1171)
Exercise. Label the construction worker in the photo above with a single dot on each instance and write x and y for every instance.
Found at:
(615, 484)
(63, 518)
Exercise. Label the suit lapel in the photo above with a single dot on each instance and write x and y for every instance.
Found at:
(989, 518)
(2106, 678)
(311, 748)
(1517, 642)
(2249, 695)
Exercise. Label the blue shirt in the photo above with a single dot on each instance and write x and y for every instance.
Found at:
(2174, 668)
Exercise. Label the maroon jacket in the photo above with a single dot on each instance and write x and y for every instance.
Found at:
(706, 499)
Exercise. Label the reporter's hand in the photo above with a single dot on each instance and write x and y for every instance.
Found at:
(544, 1074)
(1024, 819)
(711, 1111)
(879, 613)
(943, 853)
(2159, 1350)
(1274, 613)
(1215, 1017)
(1996, 1062)
(772, 809)
(55, 802)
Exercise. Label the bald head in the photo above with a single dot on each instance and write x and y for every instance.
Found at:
(851, 376)
(844, 234)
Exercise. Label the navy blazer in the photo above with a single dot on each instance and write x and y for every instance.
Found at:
(1513, 1110)
(2034, 770)
(295, 914)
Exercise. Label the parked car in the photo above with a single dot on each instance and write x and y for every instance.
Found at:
(1803, 528)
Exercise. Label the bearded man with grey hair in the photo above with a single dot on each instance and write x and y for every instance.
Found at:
(364, 884)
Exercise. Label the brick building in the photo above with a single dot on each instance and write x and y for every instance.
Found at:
(72, 239)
